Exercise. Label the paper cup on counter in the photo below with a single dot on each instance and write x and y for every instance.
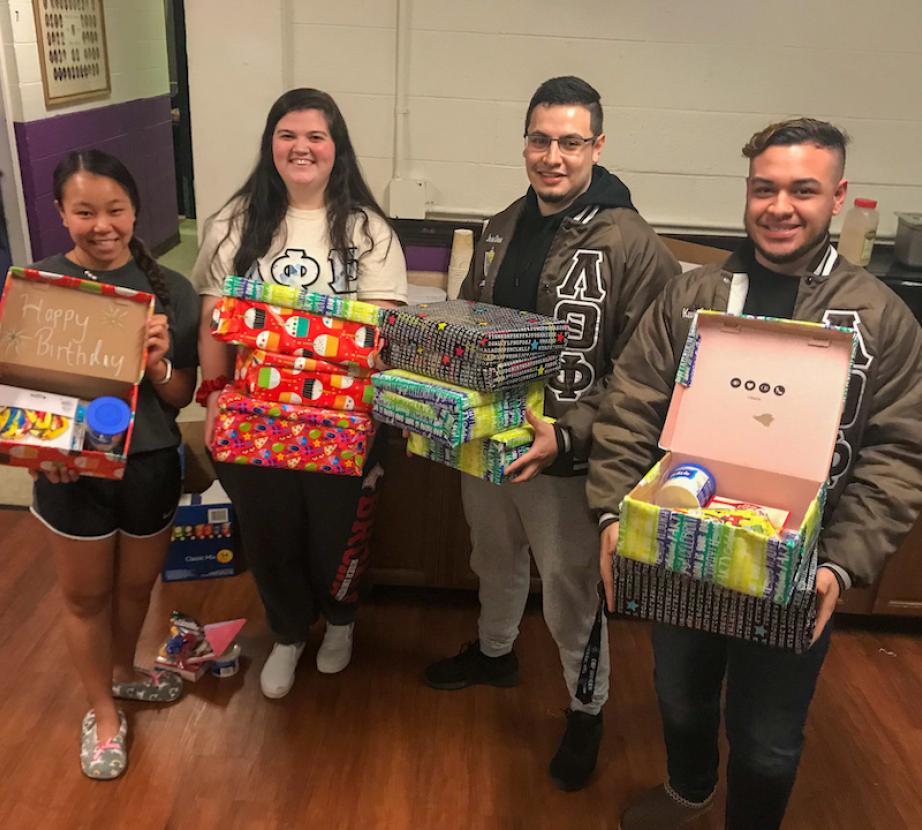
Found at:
(462, 249)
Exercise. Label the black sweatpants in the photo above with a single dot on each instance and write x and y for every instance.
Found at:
(306, 537)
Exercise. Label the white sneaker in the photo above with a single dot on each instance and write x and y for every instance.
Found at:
(278, 674)
(336, 649)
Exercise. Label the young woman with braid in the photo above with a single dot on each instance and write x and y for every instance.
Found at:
(306, 218)
(109, 538)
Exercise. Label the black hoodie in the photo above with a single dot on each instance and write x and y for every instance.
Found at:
(517, 280)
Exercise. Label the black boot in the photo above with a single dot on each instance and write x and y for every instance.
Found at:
(573, 764)
(470, 667)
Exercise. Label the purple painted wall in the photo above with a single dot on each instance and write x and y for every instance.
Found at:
(138, 132)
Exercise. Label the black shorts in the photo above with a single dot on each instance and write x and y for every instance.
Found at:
(140, 504)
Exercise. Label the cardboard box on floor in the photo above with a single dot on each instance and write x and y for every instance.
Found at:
(72, 337)
(757, 402)
(204, 543)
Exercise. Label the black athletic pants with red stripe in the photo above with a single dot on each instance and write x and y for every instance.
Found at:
(306, 537)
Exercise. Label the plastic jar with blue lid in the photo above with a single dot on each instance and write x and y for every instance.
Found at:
(107, 420)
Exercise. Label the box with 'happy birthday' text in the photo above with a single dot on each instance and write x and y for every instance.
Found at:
(72, 353)
(756, 405)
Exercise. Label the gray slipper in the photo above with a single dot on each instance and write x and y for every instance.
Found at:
(159, 687)
(107, 760)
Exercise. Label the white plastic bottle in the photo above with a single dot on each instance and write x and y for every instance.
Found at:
(859, 230)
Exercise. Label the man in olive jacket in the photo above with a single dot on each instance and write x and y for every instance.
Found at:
(573, 248)
(786, 268)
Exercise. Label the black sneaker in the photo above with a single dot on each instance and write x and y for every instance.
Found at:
(573, 764)
(471, 666)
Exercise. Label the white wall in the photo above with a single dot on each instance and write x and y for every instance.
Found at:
(236, 58)
(684, 84)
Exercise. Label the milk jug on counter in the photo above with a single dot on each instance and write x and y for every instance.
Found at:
(859, 230)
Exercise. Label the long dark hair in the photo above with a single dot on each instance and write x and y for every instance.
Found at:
(102, 164)
(263, 198)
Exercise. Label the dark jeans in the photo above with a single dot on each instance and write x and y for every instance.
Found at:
(768, 694)
(306, 537)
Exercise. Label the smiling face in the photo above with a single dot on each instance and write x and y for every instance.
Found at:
(559, 178)
(304, 153)
(99, 216)
(792, 193)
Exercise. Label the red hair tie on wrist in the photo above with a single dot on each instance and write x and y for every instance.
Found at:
(208, 386)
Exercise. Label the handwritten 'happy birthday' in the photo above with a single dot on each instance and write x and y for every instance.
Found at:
(63, 337)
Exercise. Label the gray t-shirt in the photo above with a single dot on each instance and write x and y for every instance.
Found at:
(155, 420)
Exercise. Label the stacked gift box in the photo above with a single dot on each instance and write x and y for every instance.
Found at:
(465, 374)
(301, 397)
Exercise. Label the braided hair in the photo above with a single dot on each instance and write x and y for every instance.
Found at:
(99, 163)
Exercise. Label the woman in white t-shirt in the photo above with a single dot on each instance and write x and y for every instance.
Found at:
(305, 217)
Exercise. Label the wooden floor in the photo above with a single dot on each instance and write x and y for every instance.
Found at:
(374, 748)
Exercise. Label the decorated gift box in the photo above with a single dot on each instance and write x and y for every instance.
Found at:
(303, 380)
(451, 414)
(323, 305)
(480, 346)
(486, 458)
(756, 403)
(63, 343)
(277, 329)
(250, 431)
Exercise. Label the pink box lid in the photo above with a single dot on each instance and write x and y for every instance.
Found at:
(760, 393)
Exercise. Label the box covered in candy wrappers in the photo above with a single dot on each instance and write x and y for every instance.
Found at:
(480, 346)
(250, 431)
(323, 305)
(451, 414)
(757, 403)
(277, 329)
(64, 342)
(203, 542)
(486, 458)
(304, 380)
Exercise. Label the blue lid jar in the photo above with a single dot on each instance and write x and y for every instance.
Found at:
(107, 419)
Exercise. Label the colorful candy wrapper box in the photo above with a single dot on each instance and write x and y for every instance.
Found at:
(450, 414)
(68, 338)
(300, 333)
(486, 458)
(757, 402)
(251, 431)
(303, 380)
(204, 544)
(480, 346)
(323, 305)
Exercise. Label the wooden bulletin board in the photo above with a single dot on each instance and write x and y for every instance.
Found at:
(72, 50)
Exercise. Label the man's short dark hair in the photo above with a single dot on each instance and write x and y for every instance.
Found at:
(568, 89)
(798, 131)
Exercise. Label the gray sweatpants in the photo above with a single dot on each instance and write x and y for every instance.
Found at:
(550, 516)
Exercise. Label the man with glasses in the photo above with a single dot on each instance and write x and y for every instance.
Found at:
(574, 247)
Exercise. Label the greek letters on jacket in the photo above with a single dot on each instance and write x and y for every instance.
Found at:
(580, 298)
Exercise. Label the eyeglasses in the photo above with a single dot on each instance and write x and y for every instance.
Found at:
(539, 142)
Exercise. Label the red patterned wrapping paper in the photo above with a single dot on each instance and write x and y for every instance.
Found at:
(276, 329)
(250, 431)
(303, 380)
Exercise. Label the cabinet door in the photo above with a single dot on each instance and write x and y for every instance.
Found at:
(409, 529)
(900, 588)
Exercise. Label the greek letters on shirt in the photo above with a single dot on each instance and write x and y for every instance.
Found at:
(579, 301)
(298, 269)
(857, 384)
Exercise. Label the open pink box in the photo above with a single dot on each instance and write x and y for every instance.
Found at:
(757, 402)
